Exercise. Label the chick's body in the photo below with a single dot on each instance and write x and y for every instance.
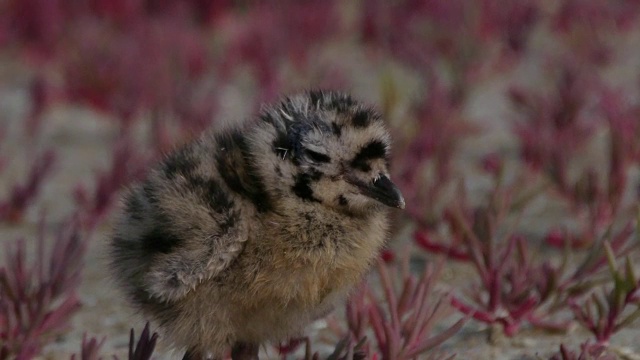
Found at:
(248, 234)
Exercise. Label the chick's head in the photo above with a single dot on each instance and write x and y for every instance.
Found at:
(325, 148)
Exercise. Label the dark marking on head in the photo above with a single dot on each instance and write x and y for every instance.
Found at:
(343, 200)
(237, 171)
(316, 156)
(361, 165)
(302, 186)
(337, 129)
(316, 97)
(314, 174)
(181, 161)
(282, 145)
(297, 132)
(373, 150)
(362, 118)
(340, 102)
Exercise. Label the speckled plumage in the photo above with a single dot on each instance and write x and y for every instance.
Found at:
(250, 233)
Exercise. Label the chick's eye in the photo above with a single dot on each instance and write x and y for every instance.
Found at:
(316, 156)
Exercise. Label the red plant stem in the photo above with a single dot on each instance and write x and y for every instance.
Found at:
(479, 315)
(453, 253)
(389, 293)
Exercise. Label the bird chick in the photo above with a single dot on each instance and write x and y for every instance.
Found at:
(248, 234)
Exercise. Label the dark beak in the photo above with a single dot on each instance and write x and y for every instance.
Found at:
(383, 190)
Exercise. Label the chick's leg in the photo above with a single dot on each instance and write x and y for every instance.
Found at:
(244, 351)
(195, 355)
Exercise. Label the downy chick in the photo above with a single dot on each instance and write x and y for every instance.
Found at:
(248, 234)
